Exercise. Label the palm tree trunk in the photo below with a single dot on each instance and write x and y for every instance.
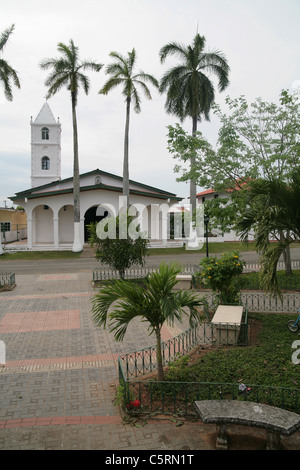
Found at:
(160, 369)
(77, 245)
(286, 257)
(192, 182)
(126, 145)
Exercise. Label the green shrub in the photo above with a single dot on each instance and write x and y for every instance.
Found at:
(222, 275)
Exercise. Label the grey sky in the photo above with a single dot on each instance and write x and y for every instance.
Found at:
(260, 39)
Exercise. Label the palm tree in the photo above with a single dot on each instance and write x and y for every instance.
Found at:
(67, 72)
(122, 73)
(155, 302)
(273, 208)
(190, 93)
(7, 73)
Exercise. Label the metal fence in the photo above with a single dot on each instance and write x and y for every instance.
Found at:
(179, 397)
(7, 279)
(262, 302)
(14, 232)
(141, 362)
(106, 273)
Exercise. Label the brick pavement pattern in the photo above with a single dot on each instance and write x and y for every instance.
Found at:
(59, 380)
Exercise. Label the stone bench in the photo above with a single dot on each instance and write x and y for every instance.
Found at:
(184, 281)
(276, 421)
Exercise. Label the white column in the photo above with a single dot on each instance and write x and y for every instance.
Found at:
(55, 232)
(29, 233)
(1, 247)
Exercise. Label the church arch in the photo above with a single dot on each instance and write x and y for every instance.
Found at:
(95, 214)
(66, 224)
(42, 224)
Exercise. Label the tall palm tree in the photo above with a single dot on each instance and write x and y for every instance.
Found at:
(156, 303)
(67, 71)
(273, 208)
(190, 92)
(121, 72)
(7, 73)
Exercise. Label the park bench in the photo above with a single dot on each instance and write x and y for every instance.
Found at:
(184, 281)
(276, 421)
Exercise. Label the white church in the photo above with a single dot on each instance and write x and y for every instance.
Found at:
(49, 202)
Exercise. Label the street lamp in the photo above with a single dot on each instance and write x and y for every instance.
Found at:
(206, 222)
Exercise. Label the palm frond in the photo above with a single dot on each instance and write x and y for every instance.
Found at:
(7, 73)
(5, 36)
(173, 48)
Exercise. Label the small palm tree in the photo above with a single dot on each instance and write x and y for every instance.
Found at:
(7, 73)
(273, 208)
(190, 92)
(122, 73)
(67, 72)
(156, 302)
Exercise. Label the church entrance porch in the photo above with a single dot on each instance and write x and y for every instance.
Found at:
(93, 214)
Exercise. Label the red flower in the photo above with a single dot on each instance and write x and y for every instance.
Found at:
(134, 404)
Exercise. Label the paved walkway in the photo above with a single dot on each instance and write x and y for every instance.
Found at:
(59, 381)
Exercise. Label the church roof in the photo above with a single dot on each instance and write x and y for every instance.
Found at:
(45, 116)
(113, 183)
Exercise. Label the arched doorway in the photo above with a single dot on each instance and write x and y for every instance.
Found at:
(42, 224)
(66, 224)
(93, 214)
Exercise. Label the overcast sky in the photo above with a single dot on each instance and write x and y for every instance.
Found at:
(260, 39)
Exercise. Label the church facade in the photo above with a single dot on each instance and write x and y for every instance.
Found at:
(49, 201)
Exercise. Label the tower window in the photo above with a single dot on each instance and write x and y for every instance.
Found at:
(45, 163)
(45, 133)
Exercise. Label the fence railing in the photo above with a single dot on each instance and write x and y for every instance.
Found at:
(262, 302)
(255, 266)
(104, 274)
(7, 279)
(179, 397)
(16, 232)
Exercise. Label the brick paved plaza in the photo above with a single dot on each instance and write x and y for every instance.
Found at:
(59, 381)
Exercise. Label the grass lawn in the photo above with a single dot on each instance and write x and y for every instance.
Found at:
(267, 362)
(36, 255)
(213, 248)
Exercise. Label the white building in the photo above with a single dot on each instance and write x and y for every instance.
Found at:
(49, 201)
(218, 236)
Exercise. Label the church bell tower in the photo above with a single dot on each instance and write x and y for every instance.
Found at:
(45, 148)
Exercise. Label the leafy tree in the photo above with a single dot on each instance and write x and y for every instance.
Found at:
(273, 206)
(67, 71)
(257, 140)
(7, 73)
(121, 72)
(116, 246)
(190, 92)
(156, 303)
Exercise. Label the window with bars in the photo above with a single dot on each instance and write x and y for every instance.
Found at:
(45, 163)
(45, 133)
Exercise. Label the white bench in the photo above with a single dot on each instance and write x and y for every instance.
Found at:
(184, 281)
(276, 421)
